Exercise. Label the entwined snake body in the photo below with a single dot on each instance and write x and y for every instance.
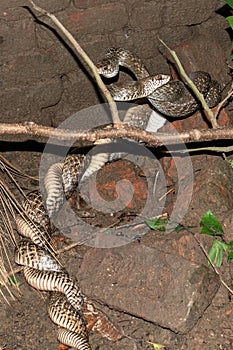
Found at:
(170, 97)
(68, 307)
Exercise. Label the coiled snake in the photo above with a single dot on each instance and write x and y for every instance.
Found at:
(74, 314)
(170, 97)
(173, 98)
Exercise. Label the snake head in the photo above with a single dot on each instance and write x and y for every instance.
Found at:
(162, 79)
(108, 68)
(152, 83)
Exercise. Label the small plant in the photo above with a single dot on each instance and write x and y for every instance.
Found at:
(230, 18)
(162, 225)
(158, 346)
(211, 226)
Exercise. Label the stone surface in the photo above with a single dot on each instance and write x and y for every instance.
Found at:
(31, 53)
(42, 81)
(107, 18)
(184, 12)
(159, 287)
(195, 53)
(144, 15)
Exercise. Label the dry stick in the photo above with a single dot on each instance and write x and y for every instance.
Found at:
(152, 139)
(82, 53)
(209, 113)
(6, 165)
(209, 260)
(223, 102)
(68, 247)
(220, 149)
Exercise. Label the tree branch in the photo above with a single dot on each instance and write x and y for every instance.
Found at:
(82, 53)
(209, 113)
(224, 101)
(117, 131)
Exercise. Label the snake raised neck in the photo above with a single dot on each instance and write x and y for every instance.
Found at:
(172, 97)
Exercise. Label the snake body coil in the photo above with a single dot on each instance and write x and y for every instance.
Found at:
(36, 233)
(29, 254)
(61, 181)
(43, 272)
(75, 340)
(55, 281)
(35, 209)
(65, 315)
(71, 170)
(54, 189)
(173, 98)
(68, 307)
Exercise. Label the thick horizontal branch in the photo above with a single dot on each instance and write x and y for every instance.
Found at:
(118, 131)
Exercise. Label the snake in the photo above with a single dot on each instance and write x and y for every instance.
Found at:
(61, 180)
(172, 98)
(41, 268)
(68, 308)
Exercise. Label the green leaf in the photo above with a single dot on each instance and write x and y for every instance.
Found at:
(157, 346)
(230, 161)
(230, 3)
(181, 227)
(230, 20)
(157, 224)
(13, 280)
(230, 256)
(210, 225)
(217, 251)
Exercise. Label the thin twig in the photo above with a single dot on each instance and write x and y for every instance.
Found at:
(70, 246)
(208, 111)
(223, 102)
(165, 194)
(220, 149)
(5, 164)
(82, 53)
(209, 260)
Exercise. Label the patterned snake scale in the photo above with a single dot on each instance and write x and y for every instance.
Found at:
(74, 314)
(173, 98)
(170, 97)
(145, 87)
(61, 180)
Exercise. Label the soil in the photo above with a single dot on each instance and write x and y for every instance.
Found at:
(157, 286)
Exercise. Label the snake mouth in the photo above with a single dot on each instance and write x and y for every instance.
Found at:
(163, 79)
(107, 70)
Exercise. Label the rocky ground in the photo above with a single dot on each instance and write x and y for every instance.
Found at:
(156, 285)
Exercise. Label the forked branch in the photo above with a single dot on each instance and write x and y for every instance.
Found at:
(86, 58)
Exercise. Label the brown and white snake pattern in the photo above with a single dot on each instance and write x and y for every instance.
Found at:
(170, 97)
(74, 314)
(173, 98)
(68, 307)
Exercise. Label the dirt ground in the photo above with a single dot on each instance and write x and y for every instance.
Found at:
(26, 325)
(156, 286)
